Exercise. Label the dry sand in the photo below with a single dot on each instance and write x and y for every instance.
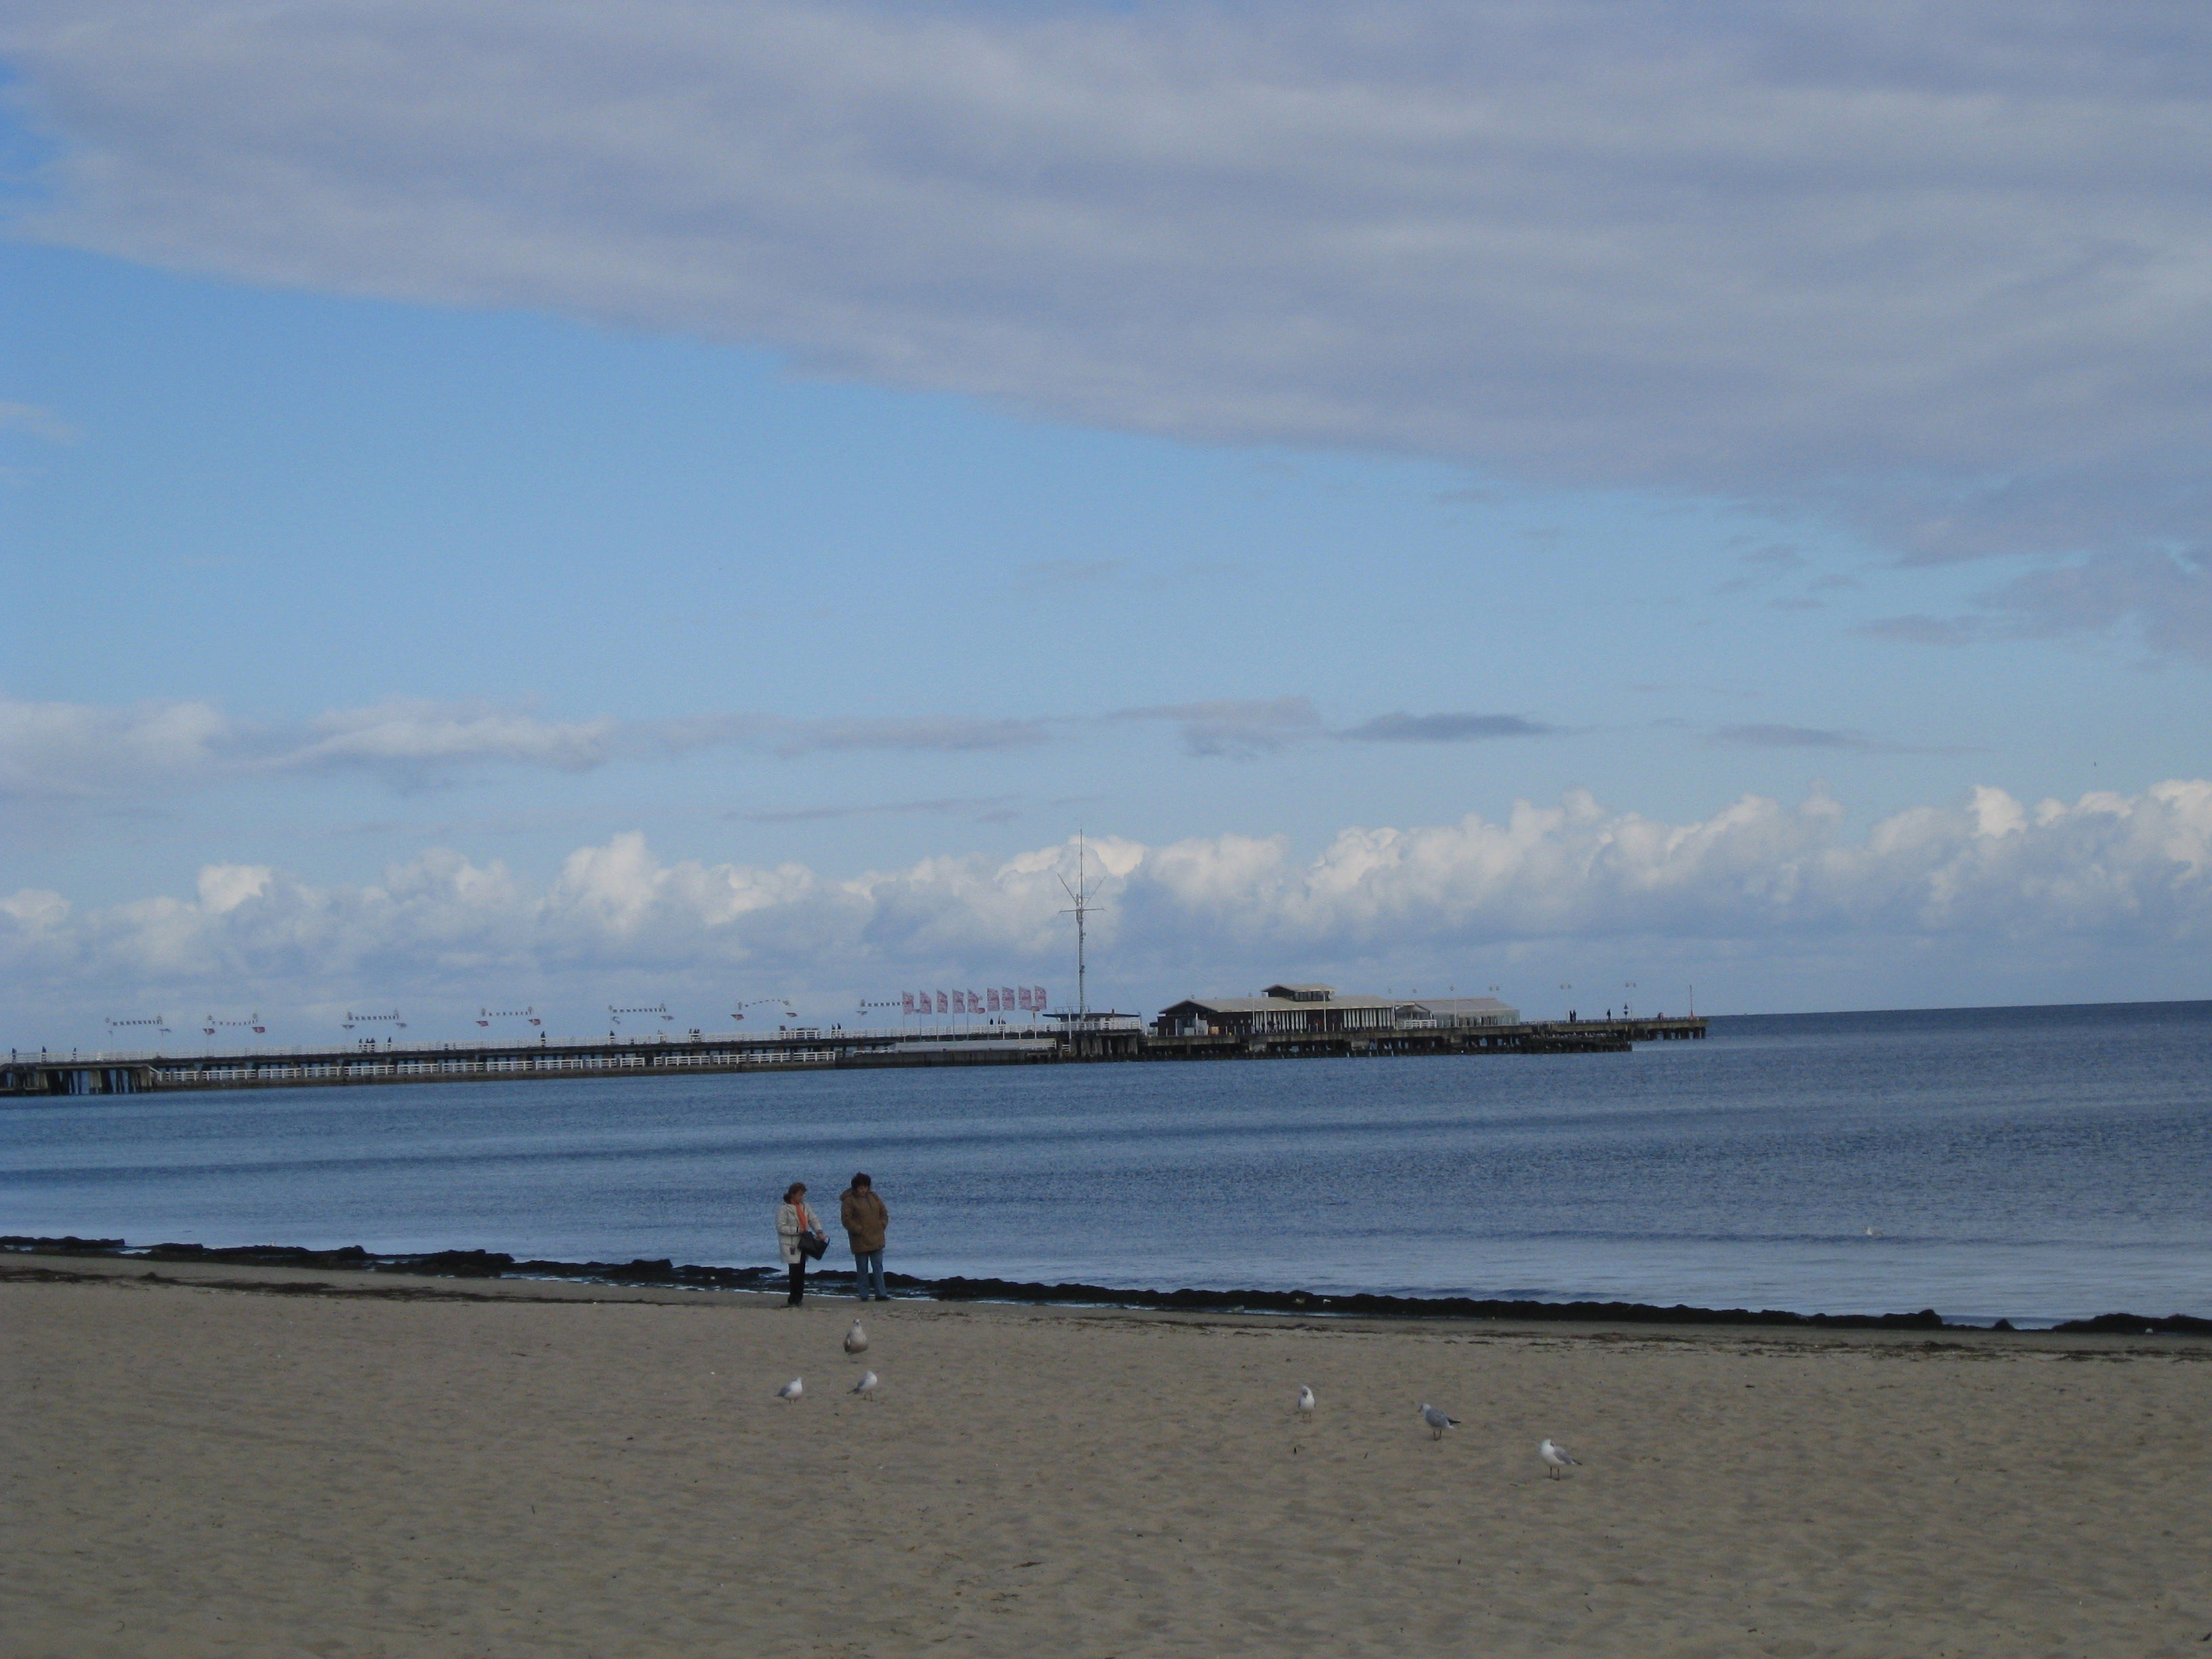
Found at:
(519, 1471)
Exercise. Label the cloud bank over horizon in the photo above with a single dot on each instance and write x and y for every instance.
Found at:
(1754, 891)
(1935, 271)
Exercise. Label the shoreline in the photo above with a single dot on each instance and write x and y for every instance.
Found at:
(663, 1273)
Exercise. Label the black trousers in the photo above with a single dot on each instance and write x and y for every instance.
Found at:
(798, 1282)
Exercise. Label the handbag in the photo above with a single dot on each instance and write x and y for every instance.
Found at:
(813, 1246)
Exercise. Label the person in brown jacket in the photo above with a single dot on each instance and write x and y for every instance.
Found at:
(864, 1218)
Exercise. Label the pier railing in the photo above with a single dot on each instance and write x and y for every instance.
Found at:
(828, 1035)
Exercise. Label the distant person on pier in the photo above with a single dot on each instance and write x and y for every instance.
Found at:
(864, 1218)
(799, 1236)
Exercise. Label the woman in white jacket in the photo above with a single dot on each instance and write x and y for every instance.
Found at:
(794, 1221)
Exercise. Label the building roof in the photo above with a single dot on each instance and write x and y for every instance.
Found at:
(1285, 1004)
(1302, 993)
(1442, 1006)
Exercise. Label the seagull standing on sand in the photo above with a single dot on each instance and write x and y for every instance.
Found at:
(791, 1390)
(1305, 1402)
(1556, 1459)
(867, 1384)
(856, 1340)
(1436, 1420)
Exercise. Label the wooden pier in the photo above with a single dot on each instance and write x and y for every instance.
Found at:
(52, 1074)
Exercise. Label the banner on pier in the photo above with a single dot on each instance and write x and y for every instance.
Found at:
(998, 1000)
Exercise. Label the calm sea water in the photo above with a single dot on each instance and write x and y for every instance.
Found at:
(2031, 1164)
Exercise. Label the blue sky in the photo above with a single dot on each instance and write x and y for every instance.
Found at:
(350, 526)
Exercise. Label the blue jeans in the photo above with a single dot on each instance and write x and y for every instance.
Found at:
(868, 1267)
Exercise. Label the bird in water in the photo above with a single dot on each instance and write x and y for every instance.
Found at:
(791, 1390)
(856, 1340)
(1557, 1460)
(867, 1384)
(1305, 1402)
(1436, 1420)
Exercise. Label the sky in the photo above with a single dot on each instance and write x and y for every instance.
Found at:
(556, 504)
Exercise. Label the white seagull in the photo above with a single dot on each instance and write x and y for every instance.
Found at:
(856, 1340)
(1305, 1401)
(1556, 1459)
(791, 1390)
(1436, 1420)
(867, 1384)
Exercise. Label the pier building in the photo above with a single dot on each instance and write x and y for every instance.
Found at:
(1291, 1010)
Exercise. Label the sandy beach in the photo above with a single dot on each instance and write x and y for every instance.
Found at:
(247, 1461)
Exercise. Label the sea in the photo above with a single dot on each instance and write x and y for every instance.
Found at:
(2035, 1164)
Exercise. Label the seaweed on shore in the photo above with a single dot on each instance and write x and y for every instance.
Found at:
(1427, 1307)
(2128, 1324)
(661, 1270)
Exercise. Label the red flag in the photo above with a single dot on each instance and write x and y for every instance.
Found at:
(941, 1007)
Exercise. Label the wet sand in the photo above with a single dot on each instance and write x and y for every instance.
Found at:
(226, 1461)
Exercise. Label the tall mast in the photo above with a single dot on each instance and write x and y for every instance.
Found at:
(1081, 911)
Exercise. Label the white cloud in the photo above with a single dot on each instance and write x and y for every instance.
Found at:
(66, 750)
(989, 809)
(1402, 727)
(422, 734)
(1942, 266)
(805, 736)
(35, 421)
(1244, 729)
(1758, 736)
(1757, 881)
(54, 751)
(62, 751)
(1239, 728)
(2160, 597)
